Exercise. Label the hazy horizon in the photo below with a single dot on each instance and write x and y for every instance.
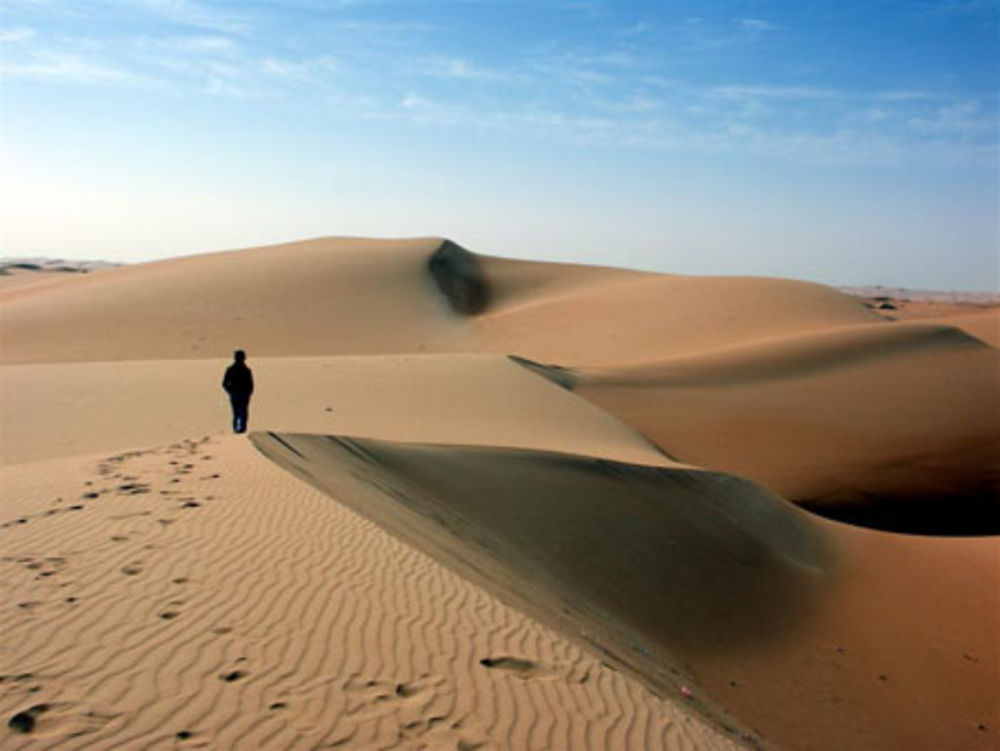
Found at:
(851, 145)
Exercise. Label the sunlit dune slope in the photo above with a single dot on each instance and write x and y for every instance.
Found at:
(60, 409)
(896, 414)
(349, 296)
(635, 318)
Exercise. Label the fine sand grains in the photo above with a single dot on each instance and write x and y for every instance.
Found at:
(195, 596)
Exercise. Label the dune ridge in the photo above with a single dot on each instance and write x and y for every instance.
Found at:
(194, 306)
(702, 548)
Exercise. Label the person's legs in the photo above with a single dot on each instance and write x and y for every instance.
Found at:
(241, 408)
(239, 413)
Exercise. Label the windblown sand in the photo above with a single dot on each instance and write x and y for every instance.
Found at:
(493, 504)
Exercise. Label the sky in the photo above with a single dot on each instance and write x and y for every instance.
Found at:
(848, 142)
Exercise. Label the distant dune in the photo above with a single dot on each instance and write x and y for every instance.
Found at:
(489, 503)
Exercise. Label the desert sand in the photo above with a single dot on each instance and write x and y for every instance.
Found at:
(488, 503)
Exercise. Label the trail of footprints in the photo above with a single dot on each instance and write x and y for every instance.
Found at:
(131, 512)
(52, 582)
(164, 487)
(112, 480)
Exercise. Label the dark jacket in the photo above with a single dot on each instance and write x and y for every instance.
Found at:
(238, 380)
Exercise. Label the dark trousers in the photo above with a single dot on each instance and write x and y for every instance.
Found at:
(241, 409)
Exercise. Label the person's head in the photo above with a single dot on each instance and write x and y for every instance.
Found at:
(239, 355)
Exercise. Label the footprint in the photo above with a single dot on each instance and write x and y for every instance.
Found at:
(405, 691)
(131, 570)
(64, 718)
(133, 515)
(378, 697)
(520, 667)
(24, 722)
(133, 488)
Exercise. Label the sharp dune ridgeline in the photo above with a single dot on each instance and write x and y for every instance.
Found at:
(497, 504)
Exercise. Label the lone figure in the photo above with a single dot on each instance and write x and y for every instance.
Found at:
(238, 383)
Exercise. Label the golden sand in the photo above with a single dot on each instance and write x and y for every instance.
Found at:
(493, 504)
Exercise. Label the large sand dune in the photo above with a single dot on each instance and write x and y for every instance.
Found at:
(626, 483)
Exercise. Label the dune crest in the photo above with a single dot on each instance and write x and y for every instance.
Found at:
(685, 579)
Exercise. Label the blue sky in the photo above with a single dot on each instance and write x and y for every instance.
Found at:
(848, 142)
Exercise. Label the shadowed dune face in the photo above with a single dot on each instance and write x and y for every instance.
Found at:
(458, 275)
(811, 636)
(686, 530)
(654, 568)
(964, 512)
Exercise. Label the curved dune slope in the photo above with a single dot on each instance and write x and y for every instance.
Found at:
(700, 584)
(327, 296)
(348, 296)
(892, 426)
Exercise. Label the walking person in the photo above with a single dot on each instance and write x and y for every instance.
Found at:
(238, 383)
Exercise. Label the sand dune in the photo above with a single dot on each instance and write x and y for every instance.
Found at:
(57, 410)
(905, 417)
(195, 596)
(303, 299)
(594, 473)
(724, 591)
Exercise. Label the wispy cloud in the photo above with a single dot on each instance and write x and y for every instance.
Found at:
(961, 118)
(766, 91)
(459, 68)
(637, 29)
(701, 35)
(758, 24)
(652, 84)
(190, 44)
(307, 70)
(192, 14)
(959, 7)
(389, 27)
(16, 34)
(66, 68)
